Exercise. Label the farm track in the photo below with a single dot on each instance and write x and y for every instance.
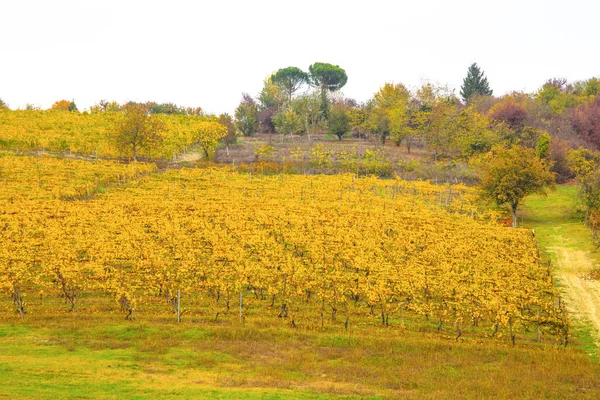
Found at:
(582, 294)
(562, 236)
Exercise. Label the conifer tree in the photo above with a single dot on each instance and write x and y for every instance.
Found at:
(475, 83)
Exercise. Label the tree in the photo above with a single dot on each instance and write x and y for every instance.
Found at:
(227, 121)
(72, 107)
(432, 108)
(164, 108)
(207, 134)
(328, 78)
(585, 164)
(442, 123)
(585, 119)
(555, 95)
(3, 105)
(270, 95)
(105, 106)
(510, 113)
(339, 122)
(137, 130)
(511, 174)
(473, 133)
(358, 116)
(542, 148)
(475, 84)
(592, 87)
(246, 116)
(377, 121)
(270, 99)
(388, 112)
(289, 122)
(290, 79)
(195, 111)
(308, 106)
(61, 105)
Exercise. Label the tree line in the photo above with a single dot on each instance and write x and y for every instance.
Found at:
(431, 116)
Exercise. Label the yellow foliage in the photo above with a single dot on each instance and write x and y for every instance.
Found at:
(207, 134)
(91, 133)
(61, 105)
(392, 245)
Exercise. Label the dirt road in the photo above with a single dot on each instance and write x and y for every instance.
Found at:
(562, 236)
(582, 295)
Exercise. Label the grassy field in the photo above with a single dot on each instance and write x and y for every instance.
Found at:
(567, 242)
(95, 353)
(74, 356)
(558, 221)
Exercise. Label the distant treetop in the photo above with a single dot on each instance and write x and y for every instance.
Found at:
(327, 76)
(290, 79)
(475, 83)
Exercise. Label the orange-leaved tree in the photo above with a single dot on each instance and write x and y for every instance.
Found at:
(64, 105)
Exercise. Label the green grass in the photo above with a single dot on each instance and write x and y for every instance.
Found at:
(558, 222)
(85, 356)
(96, 354)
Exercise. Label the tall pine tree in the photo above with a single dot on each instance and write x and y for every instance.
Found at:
(475, 83)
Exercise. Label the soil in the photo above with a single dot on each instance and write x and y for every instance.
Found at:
(582, 294)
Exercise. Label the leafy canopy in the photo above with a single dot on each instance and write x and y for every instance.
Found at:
(511, 174)
(339, 122)
(62, 105)
(387, 111)
(290, 79)
(207, 134)
(327, 76)
(246, 115)
(137, 130)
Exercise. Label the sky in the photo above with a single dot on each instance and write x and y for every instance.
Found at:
(207, 53)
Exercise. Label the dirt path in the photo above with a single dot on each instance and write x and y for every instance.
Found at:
(581, 294)
(564, 238)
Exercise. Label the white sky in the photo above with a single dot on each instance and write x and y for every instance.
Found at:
(206, 53)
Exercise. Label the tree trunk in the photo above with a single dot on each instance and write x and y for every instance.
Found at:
(178, 305)
(18, 299)
(323, 313)
(513, 209)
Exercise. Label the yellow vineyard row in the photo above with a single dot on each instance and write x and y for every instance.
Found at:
(61, 131)
(46, 178)
(308, 245)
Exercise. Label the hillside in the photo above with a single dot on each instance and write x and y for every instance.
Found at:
(350, 286)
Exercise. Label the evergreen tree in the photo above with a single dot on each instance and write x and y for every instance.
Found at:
(73, 106)
(290, 79)
(475, 83)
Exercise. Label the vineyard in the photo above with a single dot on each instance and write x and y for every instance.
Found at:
(309, 252)
(90, 134)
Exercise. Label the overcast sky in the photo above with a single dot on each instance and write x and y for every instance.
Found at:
(206, 53)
